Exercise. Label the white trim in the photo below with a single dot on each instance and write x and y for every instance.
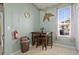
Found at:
(66, 46)
(63, 36)
(16, 52)
(30, 45)
(55, 44)
(69, 6)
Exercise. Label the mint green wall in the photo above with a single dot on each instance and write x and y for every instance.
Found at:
(52, 25)
(15, 20)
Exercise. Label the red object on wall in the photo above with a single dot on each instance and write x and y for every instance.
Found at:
(15, 34)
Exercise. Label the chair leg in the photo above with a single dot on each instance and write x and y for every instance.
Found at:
(42, 47)
(51, 45)
(37, 43)
(44, 43)
(45, 47)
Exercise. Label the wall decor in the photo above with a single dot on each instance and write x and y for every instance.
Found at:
(27, 14)
(47, 16)
(15, 34)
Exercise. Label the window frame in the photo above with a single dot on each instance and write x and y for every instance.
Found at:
(58, 33)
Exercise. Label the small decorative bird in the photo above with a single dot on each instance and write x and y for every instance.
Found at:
(47, 16)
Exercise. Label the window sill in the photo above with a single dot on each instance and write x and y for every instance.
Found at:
(64, 36)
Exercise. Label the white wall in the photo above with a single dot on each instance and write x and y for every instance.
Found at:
(77, 26)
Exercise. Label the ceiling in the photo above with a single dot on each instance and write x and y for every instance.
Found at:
(44, 5)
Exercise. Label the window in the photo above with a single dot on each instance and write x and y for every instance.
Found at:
(64, 21)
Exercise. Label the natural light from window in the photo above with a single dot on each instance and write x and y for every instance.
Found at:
(64, 21)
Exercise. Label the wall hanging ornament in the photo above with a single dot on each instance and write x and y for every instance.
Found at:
(47, 16)
(27, 14)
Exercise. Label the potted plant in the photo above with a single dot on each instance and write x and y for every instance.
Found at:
(42, 29)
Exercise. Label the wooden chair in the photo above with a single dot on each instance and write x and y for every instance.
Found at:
(50, 40)
(43, 39)
(35, 37)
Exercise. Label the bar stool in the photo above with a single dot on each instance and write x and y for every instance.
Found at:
(49, 40)
(43, 39)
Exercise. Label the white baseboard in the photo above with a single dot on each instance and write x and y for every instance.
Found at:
(57, 44)
(16, 52)
(30, 45)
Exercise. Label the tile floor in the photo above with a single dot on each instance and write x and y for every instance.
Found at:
(55, 50)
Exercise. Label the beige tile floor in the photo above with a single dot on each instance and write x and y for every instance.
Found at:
(55, 50)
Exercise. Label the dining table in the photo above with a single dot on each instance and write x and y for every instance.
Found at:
(37, 35)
